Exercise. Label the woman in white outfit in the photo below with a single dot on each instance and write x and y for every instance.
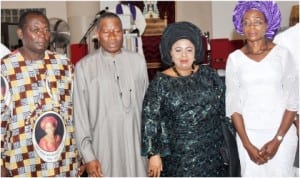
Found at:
(262, 93)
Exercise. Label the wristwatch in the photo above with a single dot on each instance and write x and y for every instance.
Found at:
(279, 138)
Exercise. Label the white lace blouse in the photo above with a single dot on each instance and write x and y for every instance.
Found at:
(261, 91)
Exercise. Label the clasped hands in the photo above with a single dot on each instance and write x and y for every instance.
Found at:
(266, 153)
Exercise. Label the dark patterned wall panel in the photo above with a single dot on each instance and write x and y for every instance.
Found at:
(164, 7)
(151, 48)
(151, 43)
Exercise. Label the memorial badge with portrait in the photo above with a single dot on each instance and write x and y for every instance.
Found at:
(49, 135)
(5, 96)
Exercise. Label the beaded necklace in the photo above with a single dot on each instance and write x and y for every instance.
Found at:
(178, 74)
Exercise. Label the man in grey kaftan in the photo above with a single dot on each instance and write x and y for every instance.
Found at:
(108, 96)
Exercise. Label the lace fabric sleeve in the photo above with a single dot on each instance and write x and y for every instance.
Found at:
(232, 96)
(290, 82)
(154, 134)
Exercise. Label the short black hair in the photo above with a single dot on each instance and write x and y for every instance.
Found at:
(108, 15)
(22, 20)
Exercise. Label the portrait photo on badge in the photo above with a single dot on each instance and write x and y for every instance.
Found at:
(4, 91)
(49, 136)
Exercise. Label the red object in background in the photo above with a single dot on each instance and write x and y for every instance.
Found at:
(236, 44)
(151, 48)
(78, 51)
(152, 54)
(219, 52)
(220, 49)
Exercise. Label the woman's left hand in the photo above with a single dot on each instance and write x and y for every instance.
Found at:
(269, 150)
(155, 166)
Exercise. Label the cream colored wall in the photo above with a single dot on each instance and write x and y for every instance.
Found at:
(197, 12)
(212, 16)
(216, 16)
(78, 14)
(222, 25)
(53, 8)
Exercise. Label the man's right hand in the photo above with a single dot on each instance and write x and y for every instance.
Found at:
(93, 168)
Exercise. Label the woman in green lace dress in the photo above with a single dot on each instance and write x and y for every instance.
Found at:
(183, 110)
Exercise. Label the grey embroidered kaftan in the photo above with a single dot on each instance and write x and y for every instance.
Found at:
(108, 96)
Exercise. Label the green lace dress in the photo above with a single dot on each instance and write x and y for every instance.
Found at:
(181, 121)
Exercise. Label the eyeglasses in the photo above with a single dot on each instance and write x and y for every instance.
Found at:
(255, 23)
